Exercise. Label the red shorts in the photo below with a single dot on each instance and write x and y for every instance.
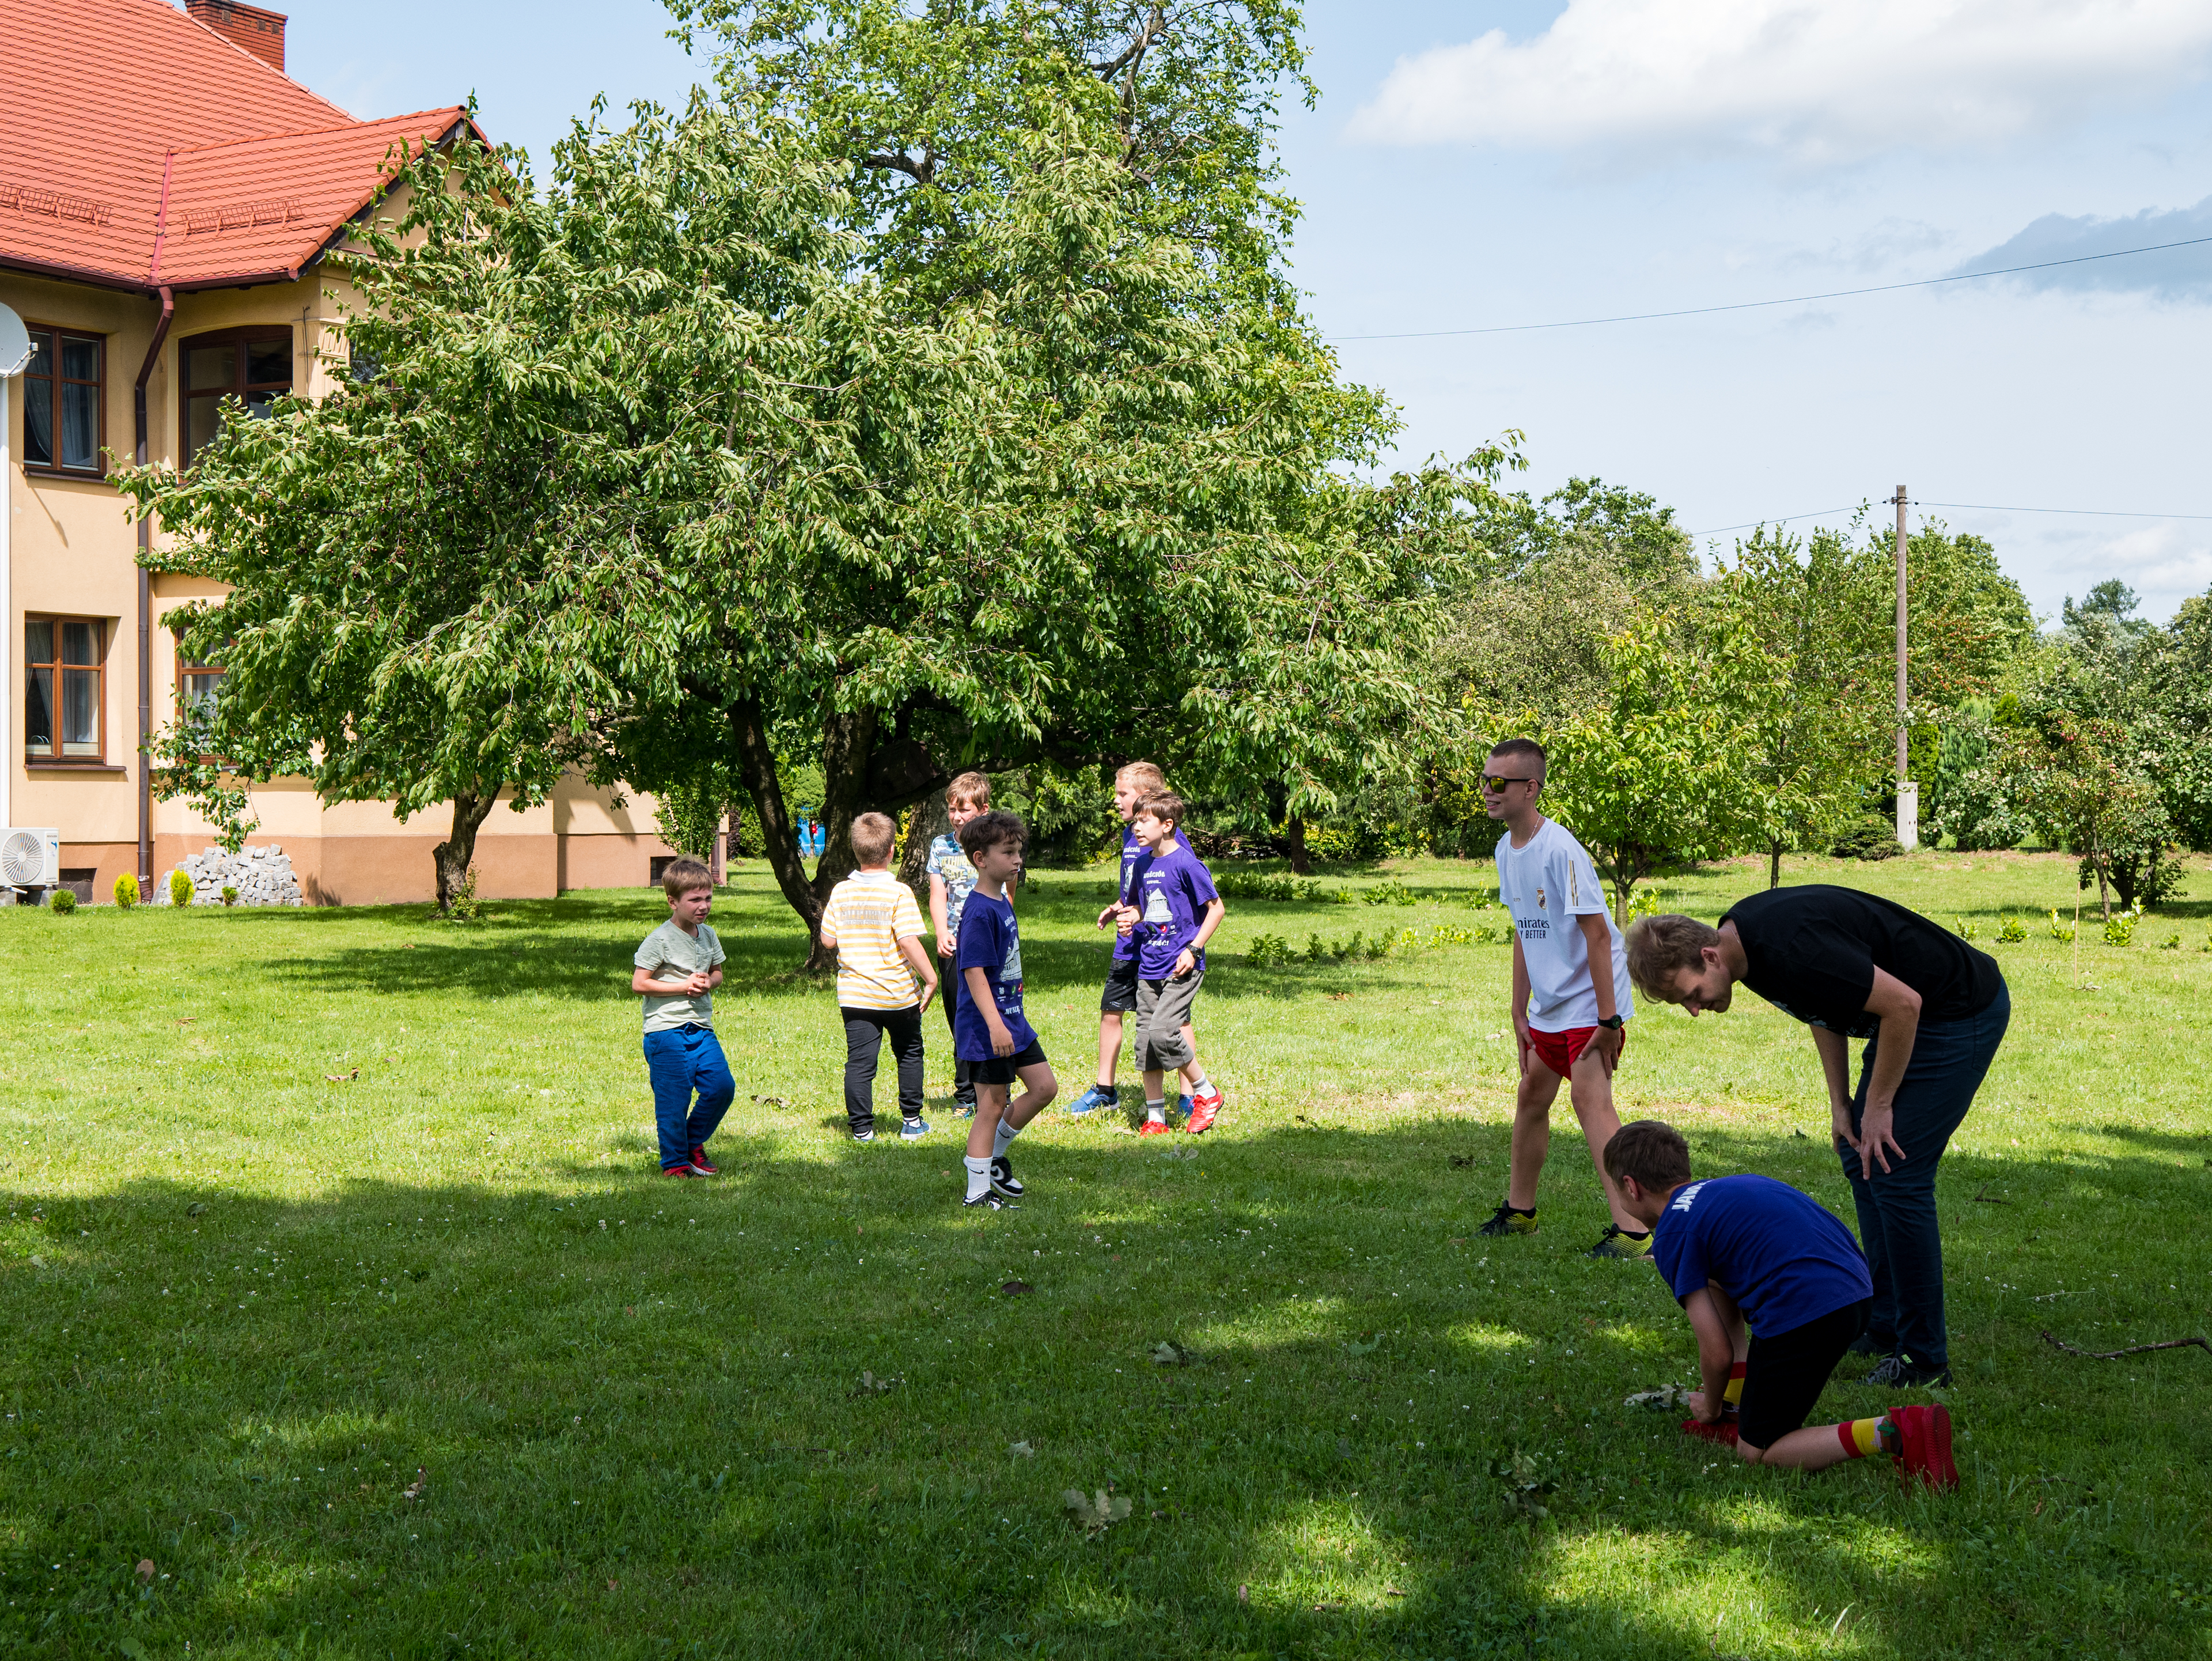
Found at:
(1560, 1051)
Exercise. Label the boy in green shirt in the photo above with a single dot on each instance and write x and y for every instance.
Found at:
(678, 968)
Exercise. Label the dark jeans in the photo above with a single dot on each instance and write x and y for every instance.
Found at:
(864, 1032)
(1897, 1208)
(963, 1085)
(681, 1062)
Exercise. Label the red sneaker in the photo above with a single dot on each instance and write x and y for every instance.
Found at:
(1723, 1430)
(1154, 1128)
(702, 1165)
(1203, 1107)
(676, 1170)
(1925, 1432)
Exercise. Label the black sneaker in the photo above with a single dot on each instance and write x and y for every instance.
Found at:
(1899, 1373)
(1867, 1344)
(1507, 1220)
(1004, 1183)
(991, 1200)
(1616, 1242)
(864, 1135)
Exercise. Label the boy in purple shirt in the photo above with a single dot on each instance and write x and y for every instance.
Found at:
(989, 1031)
(1178, 910)
(1748, 1251)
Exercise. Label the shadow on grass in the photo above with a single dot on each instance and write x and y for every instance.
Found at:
(639, 1418)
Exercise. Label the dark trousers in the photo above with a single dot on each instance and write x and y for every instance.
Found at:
(1897, 1208)
(864, 1032)
(962, 1084)
(686, 1060)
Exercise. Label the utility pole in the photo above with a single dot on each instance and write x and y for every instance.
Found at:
(1908, 793)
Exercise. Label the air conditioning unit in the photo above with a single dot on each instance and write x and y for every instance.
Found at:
(30, 858)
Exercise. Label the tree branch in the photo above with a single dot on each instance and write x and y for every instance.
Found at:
(2132, 1349)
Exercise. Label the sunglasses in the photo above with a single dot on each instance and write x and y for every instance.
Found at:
(1494, 782)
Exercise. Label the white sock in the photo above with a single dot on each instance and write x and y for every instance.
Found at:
(1157, 1111)
(1006, 1134)
(1196, 1086)
(979, 1175)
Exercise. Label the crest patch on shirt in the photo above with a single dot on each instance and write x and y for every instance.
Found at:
(1539, 899)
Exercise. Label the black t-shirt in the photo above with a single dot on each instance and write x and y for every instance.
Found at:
(1812, 953)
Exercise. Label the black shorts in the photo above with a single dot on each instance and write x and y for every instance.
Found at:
(1002, 1069)
(1784, 1375)
(1120, 994)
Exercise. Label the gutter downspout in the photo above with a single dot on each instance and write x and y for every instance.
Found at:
(146, 548)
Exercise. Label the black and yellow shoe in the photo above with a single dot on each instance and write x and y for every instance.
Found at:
(1507, 1220)
(1618, 1242)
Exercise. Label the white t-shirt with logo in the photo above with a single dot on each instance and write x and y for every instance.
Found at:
(1546, 885)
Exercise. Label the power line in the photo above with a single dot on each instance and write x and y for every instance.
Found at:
(1793, 300)
(1973, 507)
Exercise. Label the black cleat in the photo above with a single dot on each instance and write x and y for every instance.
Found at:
(1507, 1220)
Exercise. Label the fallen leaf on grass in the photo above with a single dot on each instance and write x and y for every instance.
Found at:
(1243, 1594)
(1355, 1348)
(194, 1209)
(341, 1078)
(1461, 1161)
(872, 1386)
(1329, 1606)
(1170, 1354)
(415, 1489)
(1661, 1400)
(1340, 997)
(1098, 1513)
(1017, 1288)
(186, 1020)
(1021, 1450)
(132, 1648)
(613, 1584)
(1392, 1591)
(769, 1101)
(145, 1570)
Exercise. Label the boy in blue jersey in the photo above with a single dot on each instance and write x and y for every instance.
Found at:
(1177, 912)
(989, 1031)
(1742, 1251)
(1132, 785)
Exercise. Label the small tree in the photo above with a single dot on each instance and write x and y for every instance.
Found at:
(2075, 779)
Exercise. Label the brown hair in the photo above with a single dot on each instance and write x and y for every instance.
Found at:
(1659, 947)
(1164, 805)
(1651, 1151)
(679, 876)
(873, 837)
(990, 830)
(1527, 747)
(1148, 779)
(972, 788)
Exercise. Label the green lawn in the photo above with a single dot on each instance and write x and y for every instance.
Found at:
(429, 1361)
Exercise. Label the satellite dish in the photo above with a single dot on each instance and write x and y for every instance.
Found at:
(14, 344)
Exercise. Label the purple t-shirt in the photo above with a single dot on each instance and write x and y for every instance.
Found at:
(1173, 891)
(991, 941)
(1781, 1255)
(1135, 853)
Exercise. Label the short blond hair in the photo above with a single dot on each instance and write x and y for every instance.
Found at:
(680, 877)
(873, 837)
(1148, 779)
(970, 789)
(1658, 948)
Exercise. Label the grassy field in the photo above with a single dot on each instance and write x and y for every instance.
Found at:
(345, 1315)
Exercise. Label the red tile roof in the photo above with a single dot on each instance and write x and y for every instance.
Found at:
(111, 102)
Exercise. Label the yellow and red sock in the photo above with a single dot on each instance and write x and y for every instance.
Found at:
(1734, 1394)
(1860, 1437)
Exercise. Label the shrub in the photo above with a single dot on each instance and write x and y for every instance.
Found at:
(1964, 926)
(2172, 942)
(229, 895)
(1871, 838)
(1268, 950)
(2120, 927)
(64, 900)
(126, 890)
(2011, 933)
(464, 906)
(2060, 931)
(1392, 893)
(180, 889)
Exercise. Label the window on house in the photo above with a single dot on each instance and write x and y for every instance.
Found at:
(65, 695)
(61, 405)
(196, 686)
(253, 366)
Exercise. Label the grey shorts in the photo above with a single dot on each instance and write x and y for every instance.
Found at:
(1163, 1010)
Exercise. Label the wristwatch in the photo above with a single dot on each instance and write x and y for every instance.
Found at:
(1614, 1022)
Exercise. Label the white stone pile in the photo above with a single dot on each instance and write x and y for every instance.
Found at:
(263, 876)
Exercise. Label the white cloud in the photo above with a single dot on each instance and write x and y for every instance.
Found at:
(1816, 81)
(2170, 274)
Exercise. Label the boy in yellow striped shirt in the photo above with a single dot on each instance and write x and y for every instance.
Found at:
(874, 926)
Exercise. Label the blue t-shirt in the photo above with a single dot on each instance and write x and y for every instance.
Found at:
(1134, 854)
(991, 941)
(1172, 893)
(1782, 1256)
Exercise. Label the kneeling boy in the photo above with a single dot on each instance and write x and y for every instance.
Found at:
(990, 1031)
(1738, 1248)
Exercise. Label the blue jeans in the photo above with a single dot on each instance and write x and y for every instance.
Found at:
(681, 1061)
(1896, 1207)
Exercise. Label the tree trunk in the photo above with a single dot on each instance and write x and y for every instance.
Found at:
(779, 838)
(1294, 832)
(930, 821)
(1774, 865)
(847, 740)
(2103, 895)
(454, 856)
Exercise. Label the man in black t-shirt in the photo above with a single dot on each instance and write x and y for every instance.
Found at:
(1933, 1010)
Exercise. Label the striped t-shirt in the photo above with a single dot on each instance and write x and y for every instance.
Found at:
(868, 915)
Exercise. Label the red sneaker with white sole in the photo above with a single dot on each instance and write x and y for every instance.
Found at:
(676, 1170)
(702, 1165)
(1925, 1433)
(1203, 1107)
(1154, 1128)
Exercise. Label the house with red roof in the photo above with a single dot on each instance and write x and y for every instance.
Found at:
(167, 246)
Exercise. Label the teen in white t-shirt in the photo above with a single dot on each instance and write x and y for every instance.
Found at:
(1570, 1023)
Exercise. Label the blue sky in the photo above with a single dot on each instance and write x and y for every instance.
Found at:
(1478, 165)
